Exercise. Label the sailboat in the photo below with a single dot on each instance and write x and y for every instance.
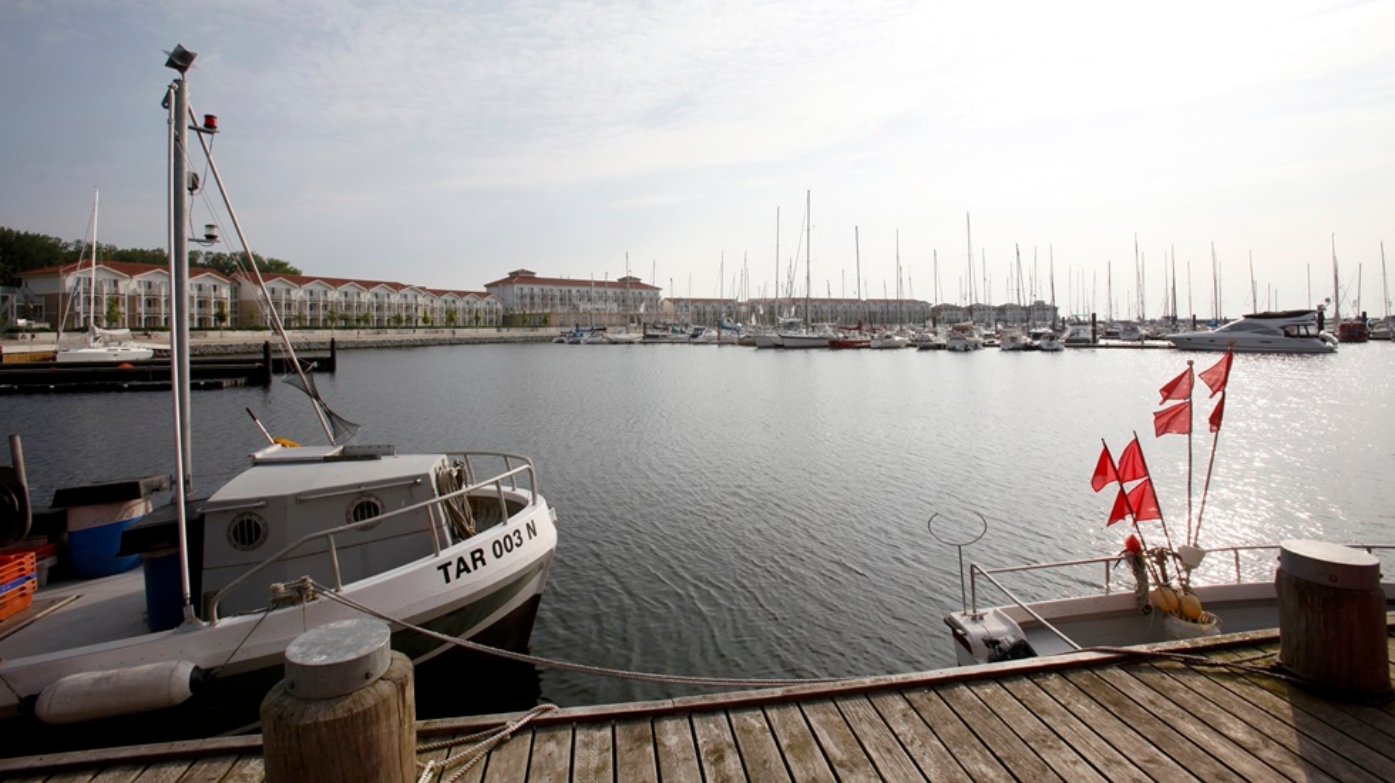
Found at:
(458, 542)
(807, 337)
(102, 345)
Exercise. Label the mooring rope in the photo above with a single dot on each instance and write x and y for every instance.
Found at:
(486, 740)
(1241, 664)
(311, 588)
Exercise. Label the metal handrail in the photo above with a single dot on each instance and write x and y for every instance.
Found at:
(328, 535)
(1109, 562)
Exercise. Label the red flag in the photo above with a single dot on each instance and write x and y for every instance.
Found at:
(1179, 388)
(1215, 416)
(1177, 419)
(1104, 471)
(1120, 510)
(1144, 503)
(1131, 463)
(1217, 376)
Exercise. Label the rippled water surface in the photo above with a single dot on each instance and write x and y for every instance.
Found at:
(731, 512)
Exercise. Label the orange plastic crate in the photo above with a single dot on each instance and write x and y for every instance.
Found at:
(16, 565)
(16, 600)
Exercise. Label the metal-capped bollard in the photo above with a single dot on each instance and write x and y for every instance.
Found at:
(1332, 623)
(346, 710)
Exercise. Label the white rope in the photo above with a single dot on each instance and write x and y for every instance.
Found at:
(471, 757)
(724, 682)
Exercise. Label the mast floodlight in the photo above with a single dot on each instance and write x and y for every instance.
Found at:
(180, 59)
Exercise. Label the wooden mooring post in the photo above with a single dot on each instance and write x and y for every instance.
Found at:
(1332, 623)
(346, 710)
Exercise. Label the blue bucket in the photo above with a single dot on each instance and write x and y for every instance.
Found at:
(164, 595)
(93, 550)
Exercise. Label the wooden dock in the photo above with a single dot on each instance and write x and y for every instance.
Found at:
(1087, 716)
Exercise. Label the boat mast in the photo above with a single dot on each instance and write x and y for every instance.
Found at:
(179, 262)
(92, 285)
(1384, 284)
(1336, 285)
(808, 254)
(180, 59)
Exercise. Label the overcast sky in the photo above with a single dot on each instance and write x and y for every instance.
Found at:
(446, 143)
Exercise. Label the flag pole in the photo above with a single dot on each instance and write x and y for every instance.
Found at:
(1191, 420)
(1206, 486)
(1216, 414)
(1161, 520)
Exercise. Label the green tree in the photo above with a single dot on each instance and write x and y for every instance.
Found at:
(333, 315)
(229, 263)
(220, 316)
(21, 251)
(113, 313)
(451, 318)
(426, 320)
(397, 319)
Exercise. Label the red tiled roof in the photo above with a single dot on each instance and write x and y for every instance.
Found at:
(121, 267)
(633, 284)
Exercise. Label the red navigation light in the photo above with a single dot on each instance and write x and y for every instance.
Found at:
(210, 122)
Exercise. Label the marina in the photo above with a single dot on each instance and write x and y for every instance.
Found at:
(788, 521)
(715, 525)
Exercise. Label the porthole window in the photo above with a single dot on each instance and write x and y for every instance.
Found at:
(365, 507)
(247, 532)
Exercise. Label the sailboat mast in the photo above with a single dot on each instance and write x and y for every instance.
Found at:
(92, 284)
(808, 252)
(1384, 284)
(1336, 286)
(857, 254)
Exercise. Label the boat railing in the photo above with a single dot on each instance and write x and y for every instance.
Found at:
(498, 485)
(1230, 555)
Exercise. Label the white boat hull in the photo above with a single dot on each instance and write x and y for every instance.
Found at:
(430, 590)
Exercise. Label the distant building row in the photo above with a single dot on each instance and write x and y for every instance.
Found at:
(137, 296)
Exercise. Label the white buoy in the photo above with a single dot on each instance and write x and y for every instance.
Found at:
(105, 694)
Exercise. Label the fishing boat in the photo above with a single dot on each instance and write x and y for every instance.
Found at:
(182, 612)
(101, 345)
(1168, 592)
(1287, 331)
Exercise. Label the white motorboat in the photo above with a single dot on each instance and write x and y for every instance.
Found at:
(886, 339)
(1014, 338)
(458, 542)
(930, 340)
(963, 338)
(1047, 340)
(1078, 335)
(1287, 331)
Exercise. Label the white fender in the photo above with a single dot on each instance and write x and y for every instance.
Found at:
(104, 694)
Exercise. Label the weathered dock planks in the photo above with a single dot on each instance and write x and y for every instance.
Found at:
(1089, 716)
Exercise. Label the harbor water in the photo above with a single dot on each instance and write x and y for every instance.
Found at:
(737, 513)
